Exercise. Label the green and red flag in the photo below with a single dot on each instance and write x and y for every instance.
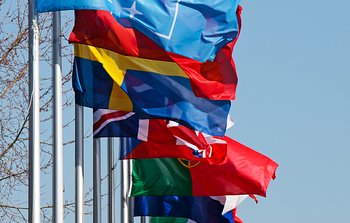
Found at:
(244, 171)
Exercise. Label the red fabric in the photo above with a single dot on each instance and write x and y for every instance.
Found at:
(253, 197)
(190, 136)
(244, 171)
(147, 150)
(100, 29)
(162, 143)
(158, 132)
(215, 80)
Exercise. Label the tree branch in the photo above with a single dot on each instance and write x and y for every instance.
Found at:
(17, 137)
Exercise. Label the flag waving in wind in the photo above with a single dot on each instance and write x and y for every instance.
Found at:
(244, 171)
(204, 25)
(123, 77)
(198, 209)
(215, 80)
(155, 138)
(104, 79)
(155, 89)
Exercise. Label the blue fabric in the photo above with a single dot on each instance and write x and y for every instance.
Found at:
(127, 145)
(198, 209)
(172, 97)
(229, 216)
(193, 28)
(121, 128)
(152, 95)
(91, 84)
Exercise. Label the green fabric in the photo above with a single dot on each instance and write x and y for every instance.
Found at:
(159, 177)
(168, 220)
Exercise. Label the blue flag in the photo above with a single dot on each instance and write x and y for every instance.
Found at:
(198, 209)
(193, 28)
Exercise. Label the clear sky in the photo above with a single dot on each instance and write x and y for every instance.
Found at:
(293, 105)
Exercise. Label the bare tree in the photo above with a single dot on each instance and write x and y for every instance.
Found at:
(14, 107)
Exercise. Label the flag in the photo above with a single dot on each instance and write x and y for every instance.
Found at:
(215, 80)
(114, 123)
(195, 29)
(155, 138)
(244, 171)
(229, 217)
(198, 209)
(109, 80)
(145, 150)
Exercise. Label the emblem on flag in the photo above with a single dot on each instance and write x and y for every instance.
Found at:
(189, 163)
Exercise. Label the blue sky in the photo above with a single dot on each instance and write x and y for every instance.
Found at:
(292, 105)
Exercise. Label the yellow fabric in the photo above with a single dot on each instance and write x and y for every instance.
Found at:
(119, 100)
(116, 65)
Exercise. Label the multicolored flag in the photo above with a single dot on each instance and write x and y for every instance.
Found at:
(212, 23)
(156, 138)
(215, 80)
(244, 171)
(229, 217)
(109, 80)
(198, 209)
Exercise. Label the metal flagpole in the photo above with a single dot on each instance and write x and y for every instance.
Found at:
(130, 199)
(97, 181)
(125, 184)
(143, 219)
(79, 164)
(34, 117)
(111, 185)
(57, 186)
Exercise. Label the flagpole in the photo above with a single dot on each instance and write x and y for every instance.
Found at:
(57, 186)
(34, 116)
(125, 184)
(111, 193)
(130, 200)
(97, 180)
(143, 219)
(79, 164)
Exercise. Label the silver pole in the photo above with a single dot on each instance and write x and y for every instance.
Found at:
(130, 199)
(79, 164)
(111, 194)
(97, 181)
(125, 184)
(143, 219)
(34, 117)
(57, 186)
